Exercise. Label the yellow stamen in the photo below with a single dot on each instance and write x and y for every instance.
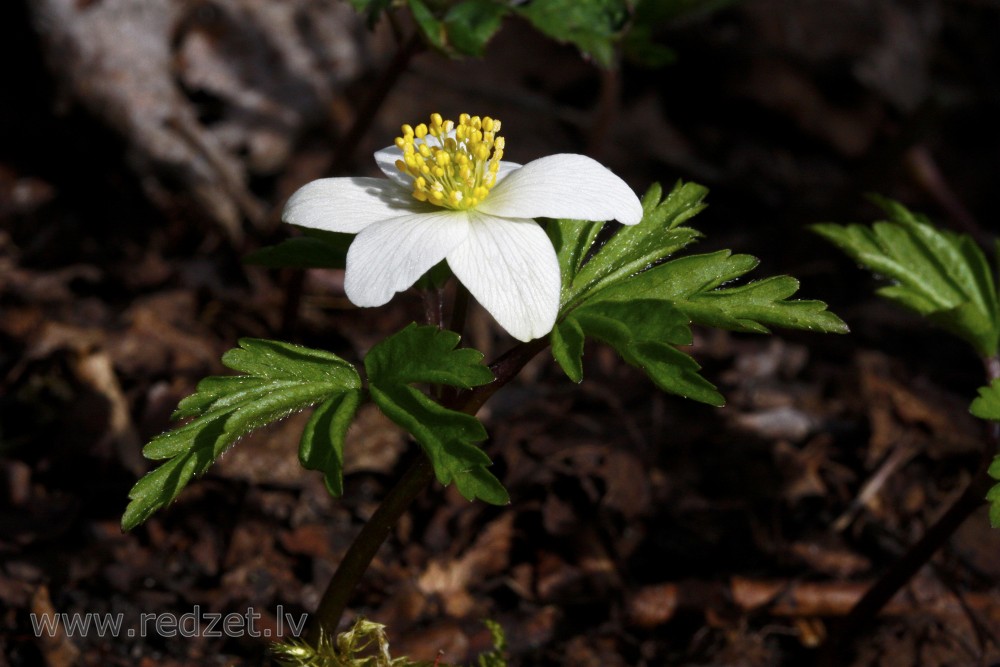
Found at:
(454, 166)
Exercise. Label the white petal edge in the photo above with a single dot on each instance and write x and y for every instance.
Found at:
(564, 186)
(390, 255)
(386, 161)
(510, 267)
(348, 204)
(506, 168)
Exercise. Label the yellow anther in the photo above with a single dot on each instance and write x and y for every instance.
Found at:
(457, 166)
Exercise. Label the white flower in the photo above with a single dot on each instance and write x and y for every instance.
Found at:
(449, 196)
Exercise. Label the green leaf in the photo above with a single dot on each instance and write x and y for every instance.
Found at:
(567, 340)
(429, 25)
(322, 444)
(279, 379)
(592, 26)
(572, 240)
(426, 354)
(423, 354)
(939, 274)
(643, 332)
(315, 250)
(635, 248)
(987, 405)
(993, 495)
(629, 295)
(694, 286)
(471, 24)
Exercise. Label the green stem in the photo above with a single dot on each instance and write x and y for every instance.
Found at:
(361, 552)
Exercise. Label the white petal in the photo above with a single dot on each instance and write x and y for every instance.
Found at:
(348, 204)
(564, 186)
(389, 256)
(511, 268)
(506, 168)
(386, 161)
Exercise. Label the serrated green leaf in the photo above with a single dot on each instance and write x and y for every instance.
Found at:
(987, 405)
(635, 248)
(627, 295)
(471, 24)
(939, 274)
(478, 482)
(993, 497)
(694, 286)
(591, 25)
(567, 340)
(643, 332)
(572, 240)
(322, 444)
(426, 354)
(423, 354)
(275, 360)
(279, 379)
(316, 249)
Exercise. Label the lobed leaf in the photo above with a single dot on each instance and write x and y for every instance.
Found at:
(279, 379)
(322, 445)
(629, 295)
(987, 406)
(632, 249)
(939, 274)
(643, 332)
(694, 285)
(424, 354)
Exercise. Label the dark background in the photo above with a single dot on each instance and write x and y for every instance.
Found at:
(146, 147)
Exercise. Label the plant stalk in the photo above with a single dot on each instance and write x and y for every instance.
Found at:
(364, 547)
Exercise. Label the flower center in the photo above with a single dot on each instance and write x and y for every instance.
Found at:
(454, 166)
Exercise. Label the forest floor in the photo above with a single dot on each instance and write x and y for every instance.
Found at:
(144, 151)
